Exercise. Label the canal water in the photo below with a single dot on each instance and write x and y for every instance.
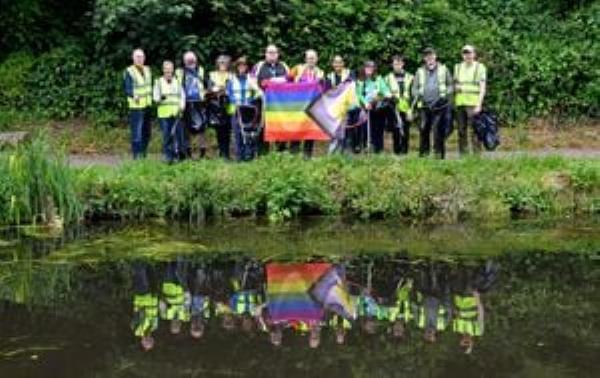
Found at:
(316, 298)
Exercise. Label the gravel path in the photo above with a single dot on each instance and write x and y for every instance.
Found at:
(84, 160)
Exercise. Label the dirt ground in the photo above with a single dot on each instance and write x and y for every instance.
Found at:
(86, 144)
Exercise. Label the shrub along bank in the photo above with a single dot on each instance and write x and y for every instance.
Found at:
(34, 184)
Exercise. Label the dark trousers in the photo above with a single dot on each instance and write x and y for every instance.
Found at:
(245, 147)
(357, 138)
(262, 146)
(464, 117)
(224, 138)
(431, 122)
(307, 147)
(377, 123)
(400, 133)
(143, 278)
(141, 131)
(193, 114)
(172, 138)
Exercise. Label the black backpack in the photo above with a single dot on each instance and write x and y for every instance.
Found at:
(486, 127)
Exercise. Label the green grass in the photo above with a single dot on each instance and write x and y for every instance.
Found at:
(282, 187)
(35, 180)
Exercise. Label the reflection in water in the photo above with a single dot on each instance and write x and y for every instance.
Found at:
(392, 297)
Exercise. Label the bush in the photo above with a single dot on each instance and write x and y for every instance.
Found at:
(542, 55)
(283, 187)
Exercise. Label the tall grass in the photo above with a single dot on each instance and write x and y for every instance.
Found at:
(36, 185)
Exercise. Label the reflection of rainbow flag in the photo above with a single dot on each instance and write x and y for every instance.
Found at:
(288, 287)
(285, 112)
(330, 290)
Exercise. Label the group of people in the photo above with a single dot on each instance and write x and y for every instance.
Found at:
(188, 100)
(390, 296)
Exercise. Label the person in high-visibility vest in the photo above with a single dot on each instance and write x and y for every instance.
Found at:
(400, 83)
(217, 107)
(340, 326)
(145, 307)
(243, 93)
(470, 89)
(371, 90)
(170, 99)
(308, 72)
(337, 76)
(468, 320)
(137, 80)
(175, 303)
(432, 90)
(192, 79)
(431, 302)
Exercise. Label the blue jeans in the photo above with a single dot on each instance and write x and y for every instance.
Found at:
(141, 131)
(244, 151)
(173, 139)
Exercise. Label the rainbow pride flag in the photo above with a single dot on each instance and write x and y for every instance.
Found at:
(286, 118)
(288, 292)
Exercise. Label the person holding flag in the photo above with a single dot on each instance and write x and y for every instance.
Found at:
(339, 74)
(270, 70)
(334, 79)
(308, 72)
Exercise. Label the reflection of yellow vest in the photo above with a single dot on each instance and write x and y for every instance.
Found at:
(468, 78)
(147, 306)
(175, 298)
(338, 321)
(142, 87)
(466, 320)
(171, 105)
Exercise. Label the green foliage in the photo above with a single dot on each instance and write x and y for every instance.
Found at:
(284, 187)
(36, 186)
(543, 57)
(156, 25)
(60, 84)
(35, 181)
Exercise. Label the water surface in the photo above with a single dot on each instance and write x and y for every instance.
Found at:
(66, 299)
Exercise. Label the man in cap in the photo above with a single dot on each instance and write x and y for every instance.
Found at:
(432, 88)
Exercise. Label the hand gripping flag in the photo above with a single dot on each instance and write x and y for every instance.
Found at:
(286, 118)
(330, 110)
